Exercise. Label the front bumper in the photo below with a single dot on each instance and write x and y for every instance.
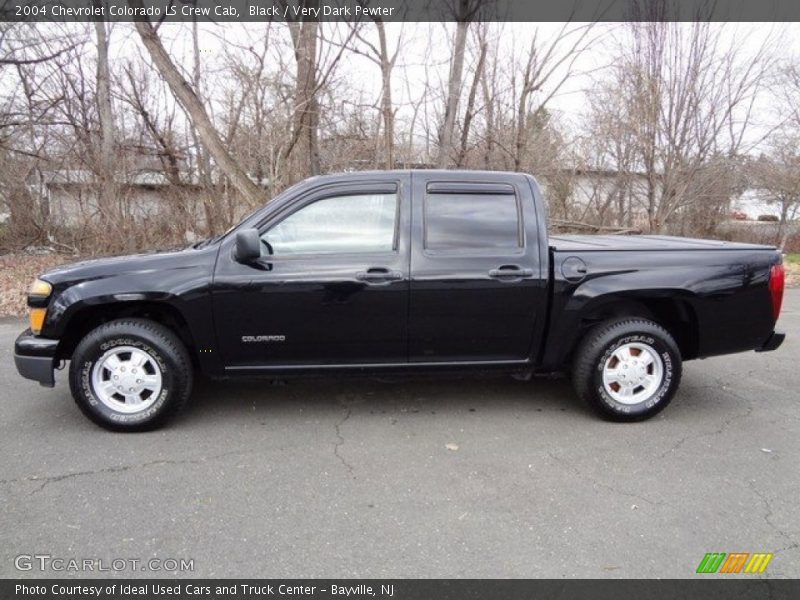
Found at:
(35, 357)
(773, 342)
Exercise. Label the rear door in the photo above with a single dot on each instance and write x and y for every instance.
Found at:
(478, 289)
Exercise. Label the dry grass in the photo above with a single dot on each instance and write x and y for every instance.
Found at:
(792, 272)
(17, 271)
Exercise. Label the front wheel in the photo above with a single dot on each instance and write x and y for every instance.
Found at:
(130, 375)
(627, 369)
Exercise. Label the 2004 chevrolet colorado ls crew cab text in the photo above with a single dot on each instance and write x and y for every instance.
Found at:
(399, 271)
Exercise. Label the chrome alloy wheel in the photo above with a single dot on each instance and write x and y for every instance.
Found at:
(127, 379)
(633, 373)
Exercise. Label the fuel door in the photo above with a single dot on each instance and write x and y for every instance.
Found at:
(573, 269)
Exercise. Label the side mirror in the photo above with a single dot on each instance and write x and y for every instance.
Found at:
(248, 246)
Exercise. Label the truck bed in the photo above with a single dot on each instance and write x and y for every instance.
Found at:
(605, 243)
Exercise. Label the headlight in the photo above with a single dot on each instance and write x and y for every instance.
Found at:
(40, 289)
(38, 296)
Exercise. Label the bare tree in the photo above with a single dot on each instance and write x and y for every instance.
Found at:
(107, 150)
(777, 178)
(690, 96)
(257, 105)
(477, 78)
(464, 12)
(608, 149)
(548, 64)
(30, 60)
(316, 61)
(196, 111)
(158, 121)
(303, 151)
(489, 93)
(776, 174)
(385, 59)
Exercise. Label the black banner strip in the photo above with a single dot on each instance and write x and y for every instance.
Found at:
(400, 10)
(733, 588)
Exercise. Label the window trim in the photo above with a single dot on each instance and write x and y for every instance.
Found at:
(447, 188)
(466, 188)
(335, 191)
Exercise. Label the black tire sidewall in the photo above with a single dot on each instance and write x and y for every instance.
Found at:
(93, 348)
(669, 383)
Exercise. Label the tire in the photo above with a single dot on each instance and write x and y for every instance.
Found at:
(627, 369)
(138, 353)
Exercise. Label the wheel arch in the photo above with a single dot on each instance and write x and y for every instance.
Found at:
(91, 316)
(672, 309)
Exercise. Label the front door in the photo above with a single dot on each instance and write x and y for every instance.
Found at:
(331, 286)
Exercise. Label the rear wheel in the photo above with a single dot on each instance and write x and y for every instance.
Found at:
(130, 375)
(627, 369)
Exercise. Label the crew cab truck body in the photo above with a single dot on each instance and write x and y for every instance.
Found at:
(400, 271)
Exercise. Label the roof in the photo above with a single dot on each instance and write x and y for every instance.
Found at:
(448, 173)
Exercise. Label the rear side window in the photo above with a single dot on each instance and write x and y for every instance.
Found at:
(455, 222)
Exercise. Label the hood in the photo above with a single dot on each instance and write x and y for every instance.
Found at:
(123, 265)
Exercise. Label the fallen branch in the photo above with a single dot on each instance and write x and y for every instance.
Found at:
(560, 223)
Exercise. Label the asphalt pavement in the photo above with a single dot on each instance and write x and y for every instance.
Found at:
(422, 478)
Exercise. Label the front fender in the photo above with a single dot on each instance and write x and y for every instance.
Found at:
(176, 284)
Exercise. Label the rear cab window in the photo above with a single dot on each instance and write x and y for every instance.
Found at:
(472, 218)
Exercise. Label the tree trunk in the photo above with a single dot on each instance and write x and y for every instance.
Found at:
(470, 110)
(783, 226)
(303, 152)
(210, 197)
(652, 182)
(104, 109)
(196, 111)
(387, 109)
(620, 193)
(107, 197)
(453, 93)
(488, 101)
(522, 125)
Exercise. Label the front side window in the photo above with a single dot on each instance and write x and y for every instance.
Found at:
(457, 222)
(358, 223)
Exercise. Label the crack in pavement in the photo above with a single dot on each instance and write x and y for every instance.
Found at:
(725, 424)
(768, 520)
(600, 484)
(340, 442)
(48, 479)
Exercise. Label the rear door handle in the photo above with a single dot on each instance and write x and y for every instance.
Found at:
(510, 272)
(379, 275)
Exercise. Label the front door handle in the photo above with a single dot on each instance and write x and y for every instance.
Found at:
(379, 275)
(510, 272)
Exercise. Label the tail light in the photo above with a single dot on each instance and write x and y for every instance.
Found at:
(776, 277)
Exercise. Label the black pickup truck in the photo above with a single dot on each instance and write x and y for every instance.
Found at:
(399, 271)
